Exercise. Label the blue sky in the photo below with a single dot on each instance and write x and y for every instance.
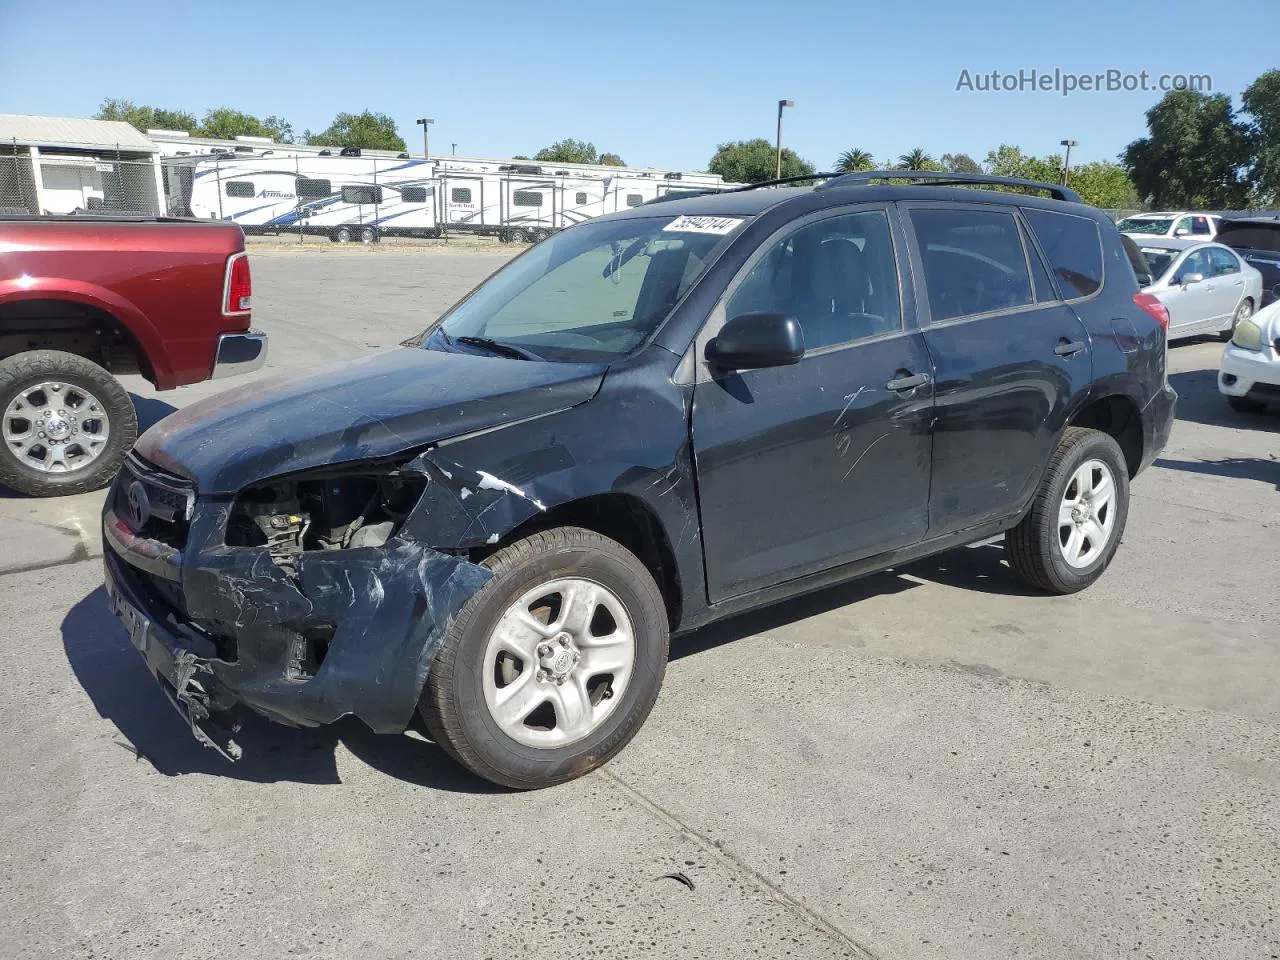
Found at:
(660, 83)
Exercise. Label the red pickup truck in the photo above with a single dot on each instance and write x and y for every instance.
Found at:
(83, 298)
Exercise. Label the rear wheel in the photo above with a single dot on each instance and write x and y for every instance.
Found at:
(1243, 312)
(516, 235)
(342, 235)
(67, 424)
(550, 669)
(368, 235)
(1077, 518)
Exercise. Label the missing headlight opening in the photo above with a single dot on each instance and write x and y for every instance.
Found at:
(329, 512)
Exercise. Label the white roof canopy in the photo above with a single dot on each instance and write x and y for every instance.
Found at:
(73, 134)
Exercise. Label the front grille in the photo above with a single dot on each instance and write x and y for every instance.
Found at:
(152, 502)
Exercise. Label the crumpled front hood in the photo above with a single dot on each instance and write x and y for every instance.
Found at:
(374, 407)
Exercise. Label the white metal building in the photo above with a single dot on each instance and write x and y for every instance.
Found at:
(64, 165)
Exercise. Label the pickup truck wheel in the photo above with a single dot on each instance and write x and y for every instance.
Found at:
(67, 424)
(1077, 517)
(550, 669)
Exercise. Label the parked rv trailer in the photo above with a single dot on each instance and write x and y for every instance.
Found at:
(354, 194)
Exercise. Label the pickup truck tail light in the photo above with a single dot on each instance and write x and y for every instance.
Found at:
(238, 287)
(1154, 307)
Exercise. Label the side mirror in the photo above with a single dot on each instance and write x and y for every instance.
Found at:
(1189, 278)
(754, 340)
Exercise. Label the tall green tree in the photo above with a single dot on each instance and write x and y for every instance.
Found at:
(752, 161)
(1194, 153)
(144, 117)
(1104, 184)
(611, 160)
(1261, 103)
(223, 123)
(960, 163)
(567, 151)
(1009, 161)
(372, 131)
(917, 159)
(855, 161)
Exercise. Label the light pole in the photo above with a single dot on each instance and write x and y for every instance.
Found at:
(781, 105)
(454, 149)
(1066, 163)
(426, 146)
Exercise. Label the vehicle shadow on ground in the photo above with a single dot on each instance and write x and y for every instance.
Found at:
(123, 692)
(1200, 402)
(979, 567)
(149, 410)
(1237, 468)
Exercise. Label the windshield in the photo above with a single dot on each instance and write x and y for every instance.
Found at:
(1158, 259)
(1159, 225)
(594, 292)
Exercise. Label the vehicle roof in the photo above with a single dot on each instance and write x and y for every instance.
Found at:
(1255, 221)
(1171, 243)
(745, 203)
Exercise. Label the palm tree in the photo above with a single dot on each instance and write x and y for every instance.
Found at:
(855, 160)
(917, 159)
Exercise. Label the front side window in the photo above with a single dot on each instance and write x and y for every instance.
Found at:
(973, 262)
(837, 276)
(526, 198)
(596, 291)
(1184, 226)
(1074, 248)
(1250, 236)
(1200, 225)
(240, 188)
(1223, 262)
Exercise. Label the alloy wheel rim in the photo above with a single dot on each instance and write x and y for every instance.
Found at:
(1087, 514)
(56, 427)
(1244, 311)
(557, 662)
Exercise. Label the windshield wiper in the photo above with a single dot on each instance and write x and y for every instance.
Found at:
(498, 347)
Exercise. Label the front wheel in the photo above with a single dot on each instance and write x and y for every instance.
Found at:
(550, 669)
(1077, 518)
(368, 235)
(1243, 312)
(67, 424)
(342, 235)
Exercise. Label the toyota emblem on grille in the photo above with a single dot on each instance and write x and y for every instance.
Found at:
(139, 504)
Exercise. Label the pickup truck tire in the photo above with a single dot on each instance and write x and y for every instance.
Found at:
(90, 390)
(528, 707)
(1078, 515)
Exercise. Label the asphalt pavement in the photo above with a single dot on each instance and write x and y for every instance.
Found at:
(934, 762)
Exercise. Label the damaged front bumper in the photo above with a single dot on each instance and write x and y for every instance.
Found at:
(348, 632)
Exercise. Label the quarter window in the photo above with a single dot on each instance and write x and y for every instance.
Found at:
(308, 189)
(1039, 275)
(1074, 248)
(240, 188)
(526, 198)
(635, 199)
(460, 195)
(361, 193)
(973, 262)
(837, 276)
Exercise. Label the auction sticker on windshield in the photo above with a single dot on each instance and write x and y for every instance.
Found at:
(716, 225)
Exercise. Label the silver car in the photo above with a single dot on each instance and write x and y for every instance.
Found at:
(1206, 287)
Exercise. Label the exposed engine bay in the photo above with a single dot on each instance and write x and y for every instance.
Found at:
(338, 511)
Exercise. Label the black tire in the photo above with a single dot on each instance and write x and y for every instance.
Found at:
(1033, 547)
(1245, 405)
(453, 705)
(25, 370)
(368, 235)
(1243, 312)
(342, 235)
(517, 235)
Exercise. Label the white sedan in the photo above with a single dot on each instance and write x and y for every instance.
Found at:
(1249, 376)
(1206, 287)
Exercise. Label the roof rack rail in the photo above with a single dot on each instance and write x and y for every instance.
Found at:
(682, 195)
(944, 179)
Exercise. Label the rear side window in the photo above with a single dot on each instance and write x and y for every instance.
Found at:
(973, 262)
(308, 189)
(1250, 236)
(1223, 262)
(361, 193)
(240, 188)
(1074, 248)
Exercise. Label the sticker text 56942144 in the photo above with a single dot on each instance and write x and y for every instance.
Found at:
(717, 225)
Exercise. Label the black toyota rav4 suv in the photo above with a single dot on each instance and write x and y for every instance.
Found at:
(647, 422)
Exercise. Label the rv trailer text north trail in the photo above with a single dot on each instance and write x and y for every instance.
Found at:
(353, 194)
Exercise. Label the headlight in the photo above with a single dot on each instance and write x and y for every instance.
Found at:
(1248, 335)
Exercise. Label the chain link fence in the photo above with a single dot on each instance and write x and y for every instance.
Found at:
(71, 183)
(17, 181)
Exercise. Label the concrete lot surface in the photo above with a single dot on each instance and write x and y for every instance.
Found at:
(929, 763)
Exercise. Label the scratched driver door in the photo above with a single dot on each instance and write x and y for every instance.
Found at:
(805, 467)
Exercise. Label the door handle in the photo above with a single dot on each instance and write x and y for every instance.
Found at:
(909, 382)
(1068, 348)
